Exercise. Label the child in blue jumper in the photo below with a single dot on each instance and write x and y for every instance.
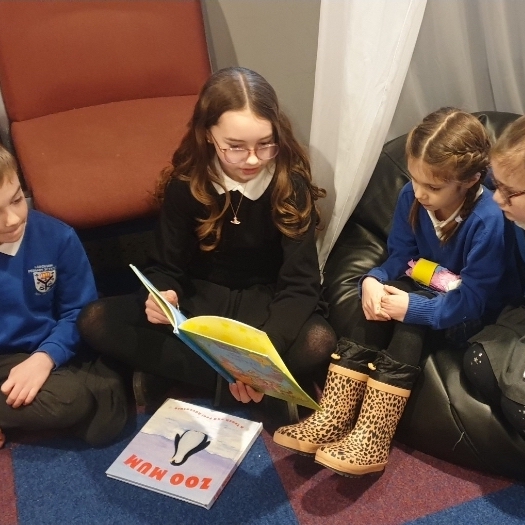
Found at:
(444, 216)
(45, 278)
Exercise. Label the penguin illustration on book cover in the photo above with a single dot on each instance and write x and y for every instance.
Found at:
(187, 444)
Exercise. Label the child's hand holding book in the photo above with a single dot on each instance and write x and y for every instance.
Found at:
(154, 312)
(245, 393)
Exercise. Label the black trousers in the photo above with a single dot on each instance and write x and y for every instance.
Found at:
(86, 396)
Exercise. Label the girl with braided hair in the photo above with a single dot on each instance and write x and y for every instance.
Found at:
(443, 217)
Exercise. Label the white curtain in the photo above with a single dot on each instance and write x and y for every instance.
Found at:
(364, 51)
(469, 54)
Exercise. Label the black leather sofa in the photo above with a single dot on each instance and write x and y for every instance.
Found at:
(444, 416)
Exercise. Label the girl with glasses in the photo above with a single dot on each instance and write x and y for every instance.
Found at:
(495, 363)
(443, 217)
(236, 238)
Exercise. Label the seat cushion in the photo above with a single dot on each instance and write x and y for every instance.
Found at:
(56, 56)
(98, 165)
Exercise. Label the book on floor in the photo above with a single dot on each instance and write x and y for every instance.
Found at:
(186, 451)
(235, 350)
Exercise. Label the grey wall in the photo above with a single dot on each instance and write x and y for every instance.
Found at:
(276, 38)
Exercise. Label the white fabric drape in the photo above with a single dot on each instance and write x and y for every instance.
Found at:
(469, 54)
(363, 55)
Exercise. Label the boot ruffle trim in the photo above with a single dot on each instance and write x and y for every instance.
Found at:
(390, 389)
(348, 372)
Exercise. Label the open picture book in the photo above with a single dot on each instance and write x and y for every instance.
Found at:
(186, 451)
(235, 350)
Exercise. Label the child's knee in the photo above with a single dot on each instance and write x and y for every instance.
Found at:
(68, 407)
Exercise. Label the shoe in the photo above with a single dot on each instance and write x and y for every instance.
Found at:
(150, 390)
(342, 396)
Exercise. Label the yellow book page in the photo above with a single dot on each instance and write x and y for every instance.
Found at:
(234, 333)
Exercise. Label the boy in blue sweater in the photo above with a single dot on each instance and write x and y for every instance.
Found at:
(45, 278)
(444, 217)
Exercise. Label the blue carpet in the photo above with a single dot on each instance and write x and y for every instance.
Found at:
(59, 481)
(63, 471)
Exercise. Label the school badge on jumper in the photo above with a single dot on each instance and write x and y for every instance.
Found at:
(44, 279)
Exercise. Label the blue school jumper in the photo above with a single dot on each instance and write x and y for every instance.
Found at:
(43, 287)
(481, 251)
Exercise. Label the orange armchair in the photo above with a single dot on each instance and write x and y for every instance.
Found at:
(98, 95)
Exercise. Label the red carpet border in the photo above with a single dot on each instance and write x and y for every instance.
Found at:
(8, 515)
(413, 485)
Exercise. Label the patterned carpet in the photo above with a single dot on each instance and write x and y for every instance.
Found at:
(54, 480)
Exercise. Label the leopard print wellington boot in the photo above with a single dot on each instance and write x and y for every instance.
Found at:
(365, 450)
(342, 395)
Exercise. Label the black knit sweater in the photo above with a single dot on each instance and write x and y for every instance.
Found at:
(251, 253)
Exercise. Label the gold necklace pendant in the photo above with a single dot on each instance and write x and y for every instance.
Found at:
(235, 220)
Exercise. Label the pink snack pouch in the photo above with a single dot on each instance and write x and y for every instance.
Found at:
(433, 275)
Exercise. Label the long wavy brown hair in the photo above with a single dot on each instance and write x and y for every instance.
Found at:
(456, 147)
(235, 89)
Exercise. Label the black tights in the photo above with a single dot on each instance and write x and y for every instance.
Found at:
(118, 327)
(403, 342)
(478, 370)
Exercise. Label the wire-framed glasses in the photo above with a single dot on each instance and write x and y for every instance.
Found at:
(238, 155)
(505, 193)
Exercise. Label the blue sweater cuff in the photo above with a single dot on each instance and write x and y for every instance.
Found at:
(420, 310)
(56, 353)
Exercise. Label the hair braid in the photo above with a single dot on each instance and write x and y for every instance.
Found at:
(468, 205)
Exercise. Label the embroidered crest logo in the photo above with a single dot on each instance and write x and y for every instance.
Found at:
(45, 279)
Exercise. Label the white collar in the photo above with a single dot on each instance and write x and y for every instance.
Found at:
(11, 248)
(252, 189)
(439, 225)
